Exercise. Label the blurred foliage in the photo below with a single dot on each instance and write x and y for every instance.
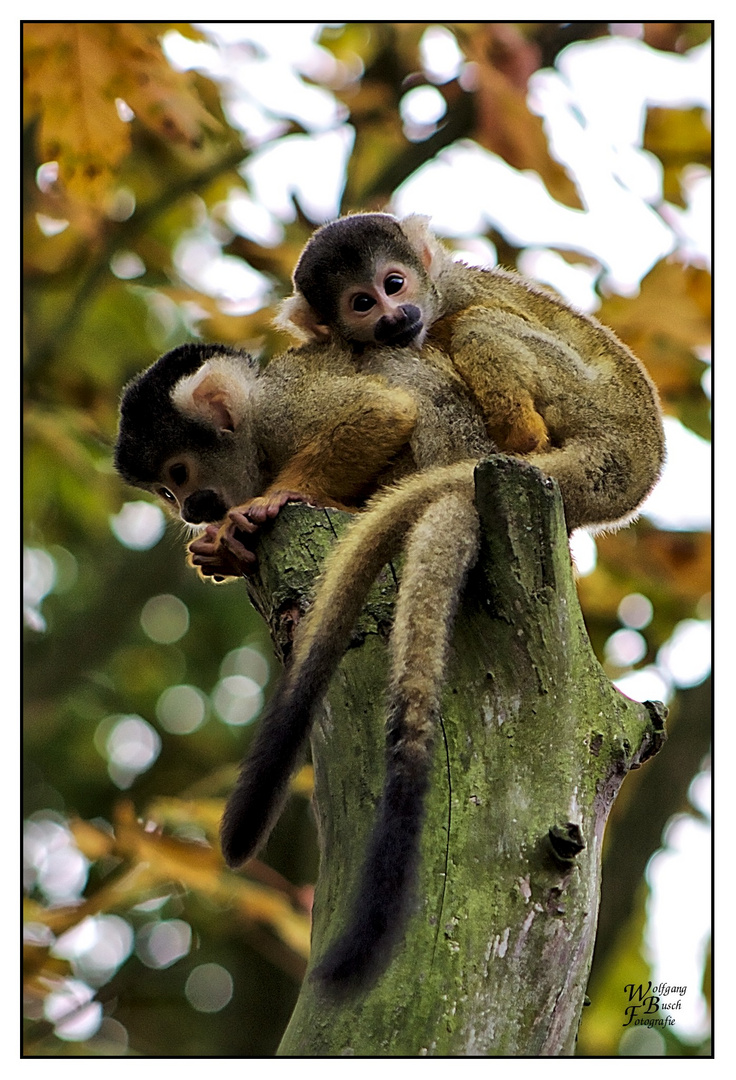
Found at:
(125, 158)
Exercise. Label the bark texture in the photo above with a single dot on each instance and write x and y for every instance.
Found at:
(533, 746)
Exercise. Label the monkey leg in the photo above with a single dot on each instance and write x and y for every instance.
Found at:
(600, 481)
(514, 425)
(441, 548)
(508, 408)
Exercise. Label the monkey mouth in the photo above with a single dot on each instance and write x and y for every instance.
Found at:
(406, 335)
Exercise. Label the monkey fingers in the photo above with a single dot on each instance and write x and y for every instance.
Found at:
(204, 546)
(231, 549)
(214, 559)
(260, 509)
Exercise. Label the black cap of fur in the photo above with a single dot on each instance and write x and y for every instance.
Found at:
(346, 250)
(151, 429)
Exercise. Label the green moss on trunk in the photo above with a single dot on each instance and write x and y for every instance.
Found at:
(533, 747)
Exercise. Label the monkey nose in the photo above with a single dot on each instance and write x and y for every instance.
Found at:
(400, 331)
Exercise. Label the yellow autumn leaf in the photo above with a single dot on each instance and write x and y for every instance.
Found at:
(206, 813)
(674, 300)
(648, 560)
(504, 124)
(679, 137)
(203, 869)
(161, 98)
(68, 83)
(665, 325)
(78, 77)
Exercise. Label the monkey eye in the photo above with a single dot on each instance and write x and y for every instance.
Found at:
(362, 302)
(166, 495)
(179, 474)
(393, 283)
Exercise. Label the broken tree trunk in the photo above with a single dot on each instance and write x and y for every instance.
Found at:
(534, 745)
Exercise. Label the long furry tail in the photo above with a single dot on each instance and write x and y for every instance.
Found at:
(440, 550)
(321, 639)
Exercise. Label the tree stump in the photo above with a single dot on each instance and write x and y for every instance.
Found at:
(534, 745)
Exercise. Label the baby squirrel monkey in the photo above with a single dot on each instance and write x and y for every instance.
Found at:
(553, 384)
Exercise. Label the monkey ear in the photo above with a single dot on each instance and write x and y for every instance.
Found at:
(297, 318)
(415, 228)
(219, 393)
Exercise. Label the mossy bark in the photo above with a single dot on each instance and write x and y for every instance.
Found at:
(533, 746)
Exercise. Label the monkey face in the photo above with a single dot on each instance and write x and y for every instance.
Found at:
(384, 310)
(189, 490)
(200, 487)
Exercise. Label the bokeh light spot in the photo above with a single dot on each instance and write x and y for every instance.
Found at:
(584, 553)
(96, 947)
(39, 576)
(635, 611)
(161, 944)
(139, 525)
(246, 661)
(625, 647)
(72, 1012)
(181, 709)
(209, 988)
(165, 619)
(687, 654)
(52, 861)
(237, 699)
(130, 744)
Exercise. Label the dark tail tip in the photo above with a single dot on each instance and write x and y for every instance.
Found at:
(263, 784)
(384, 897)
(245, 822)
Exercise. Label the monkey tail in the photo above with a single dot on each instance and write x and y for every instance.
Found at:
(441, 549)
(320, 641)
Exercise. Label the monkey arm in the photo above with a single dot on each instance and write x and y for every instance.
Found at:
(337, 467)
(477, 346)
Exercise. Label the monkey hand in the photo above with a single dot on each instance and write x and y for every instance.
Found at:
(215, 560)
(226, 545)
(257, 511)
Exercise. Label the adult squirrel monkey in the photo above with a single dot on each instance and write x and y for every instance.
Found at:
(221, 440)
(555, 387)
(205, 428)
(553, 384)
